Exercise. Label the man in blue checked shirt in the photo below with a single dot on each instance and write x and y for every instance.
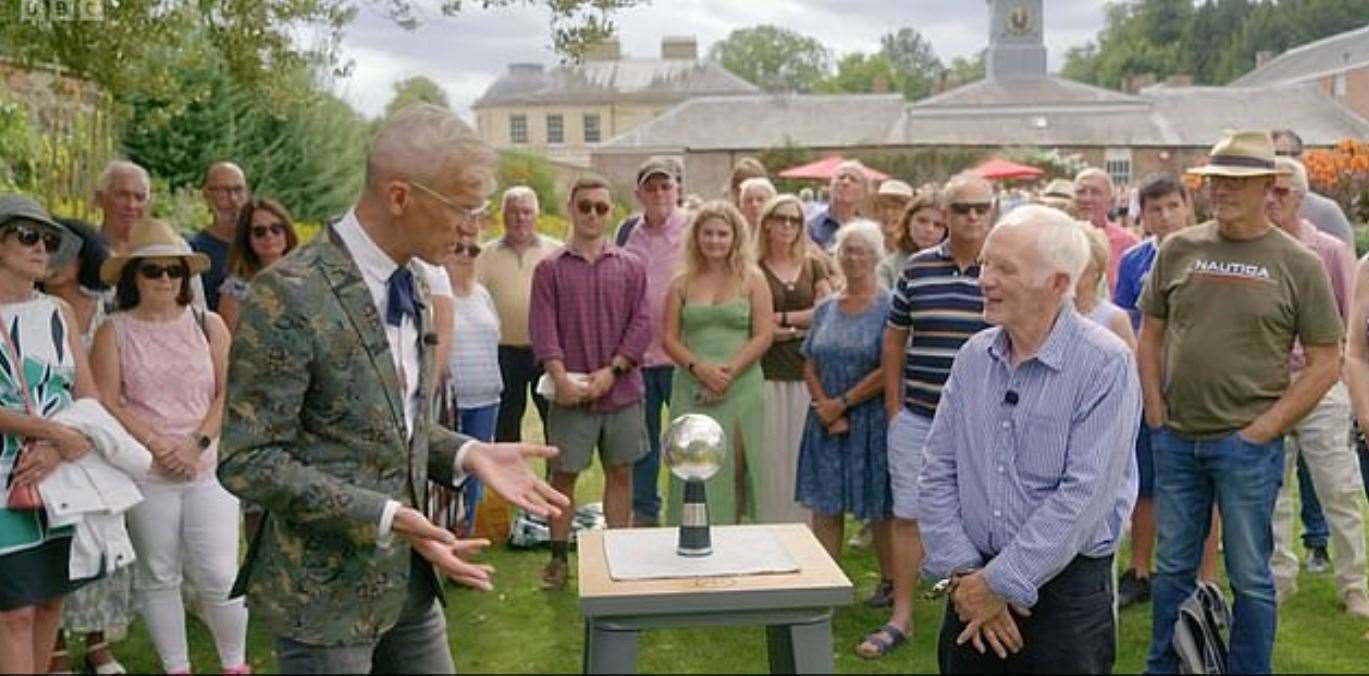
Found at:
(1030, 473)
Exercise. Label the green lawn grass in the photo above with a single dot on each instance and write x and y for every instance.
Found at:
(521, 629)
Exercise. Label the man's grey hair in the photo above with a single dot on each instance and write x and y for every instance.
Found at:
(1092, 172)
(519, 193)
(117, 168)
(425, 143)
(861, 231)
(1297, 173)
(1062, 246)
(958, 183)
(757, 183)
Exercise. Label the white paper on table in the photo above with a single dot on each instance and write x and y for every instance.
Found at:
(649, 554)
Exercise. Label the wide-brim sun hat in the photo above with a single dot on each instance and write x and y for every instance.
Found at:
(20, 208)
(153, 238)
(1241, 154)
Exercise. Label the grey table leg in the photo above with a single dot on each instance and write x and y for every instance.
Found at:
(609, 651)
(801, 648)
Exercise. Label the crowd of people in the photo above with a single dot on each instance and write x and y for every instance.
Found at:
(1000, 395)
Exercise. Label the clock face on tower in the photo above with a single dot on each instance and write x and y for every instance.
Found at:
(1020, 22)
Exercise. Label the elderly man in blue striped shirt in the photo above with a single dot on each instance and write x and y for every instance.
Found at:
(1029, 473)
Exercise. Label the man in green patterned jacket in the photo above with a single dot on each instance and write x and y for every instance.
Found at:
(329, 421)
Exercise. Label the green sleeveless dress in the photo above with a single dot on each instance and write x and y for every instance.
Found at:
(714, 333)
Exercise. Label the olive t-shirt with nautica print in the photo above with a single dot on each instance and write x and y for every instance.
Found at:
(1232, 309)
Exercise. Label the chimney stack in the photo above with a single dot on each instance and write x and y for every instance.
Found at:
(682, 47)
(607, 49)
(525, 69)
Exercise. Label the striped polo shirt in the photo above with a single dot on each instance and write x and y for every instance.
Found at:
(940, 305)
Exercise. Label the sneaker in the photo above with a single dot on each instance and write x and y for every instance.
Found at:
(1132, 589)
(1317, 561)
(554, 575)
(863, 537)
(882, 596)
(1357, 604)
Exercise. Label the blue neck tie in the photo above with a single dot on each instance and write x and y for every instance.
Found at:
(403, 299)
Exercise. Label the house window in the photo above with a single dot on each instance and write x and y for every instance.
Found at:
(556, 129)
(1117, 162)
(518, 129)
(592, 129)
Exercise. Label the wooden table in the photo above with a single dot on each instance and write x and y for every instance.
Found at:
(796, 608)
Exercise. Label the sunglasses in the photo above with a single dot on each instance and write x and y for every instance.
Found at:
(586, 206)
(979, 208)
(154, 271)
(471, 250)
(1281, 191)
(276, 229)
(28, 236)
(786, 220)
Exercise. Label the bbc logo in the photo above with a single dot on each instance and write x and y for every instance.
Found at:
(43, 11)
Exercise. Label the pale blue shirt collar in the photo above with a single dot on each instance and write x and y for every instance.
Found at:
(1052, 352)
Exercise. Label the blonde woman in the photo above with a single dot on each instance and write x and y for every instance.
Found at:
(718, 323)
(1090, 296)
(755, 194)
(797, 281)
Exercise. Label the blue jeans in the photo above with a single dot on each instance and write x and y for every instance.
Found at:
(1243, 479)
(479, 423)
(646, 472)
(1315, 531)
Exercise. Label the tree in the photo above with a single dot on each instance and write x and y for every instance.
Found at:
(912, 57)
(139, 45)
(858, 73)
(417, 89)
(965, 70)
(773, 58)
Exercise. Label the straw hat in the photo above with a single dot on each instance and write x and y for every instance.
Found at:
(1241, 154)
(1059, 188)
(14, 207)
(153, 238)
(896, 189)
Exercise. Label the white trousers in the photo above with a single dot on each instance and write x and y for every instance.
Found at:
(786, 409)
(1323, 440)
(188, 529)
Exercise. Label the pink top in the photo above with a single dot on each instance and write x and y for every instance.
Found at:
(662, 251)
(1119, 240)
(168, 375)
(1339, 263)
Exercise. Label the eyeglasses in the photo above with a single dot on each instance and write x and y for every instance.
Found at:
(586, 206)
(1281, 191)
(979, 208)
(466, 213)
(276, 229)
(781, 219)
(28, 236)
(154, 271)
(471, 250)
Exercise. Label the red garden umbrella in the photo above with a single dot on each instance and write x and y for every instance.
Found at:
(998, 169)
(822, 170)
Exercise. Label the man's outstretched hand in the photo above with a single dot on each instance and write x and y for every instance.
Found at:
(442, 549)
(504, 468)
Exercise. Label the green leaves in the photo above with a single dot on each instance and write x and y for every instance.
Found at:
(773, 58)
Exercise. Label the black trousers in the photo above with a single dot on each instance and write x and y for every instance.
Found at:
(520, 371)
(1072, 629)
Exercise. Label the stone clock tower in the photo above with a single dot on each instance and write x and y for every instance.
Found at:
(1016, 48)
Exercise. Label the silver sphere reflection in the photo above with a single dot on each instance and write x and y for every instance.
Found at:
(694, 446)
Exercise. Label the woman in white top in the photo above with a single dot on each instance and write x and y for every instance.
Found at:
(473, 380)
(1090, 295)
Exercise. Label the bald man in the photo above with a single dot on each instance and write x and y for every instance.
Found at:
(225, 191)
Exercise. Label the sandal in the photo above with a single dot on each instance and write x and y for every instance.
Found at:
(108, 668)
(60, 662)
(884, 640)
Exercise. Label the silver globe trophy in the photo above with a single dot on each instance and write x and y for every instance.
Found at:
(694, 447)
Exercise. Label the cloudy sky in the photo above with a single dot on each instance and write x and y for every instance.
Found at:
(466, 53)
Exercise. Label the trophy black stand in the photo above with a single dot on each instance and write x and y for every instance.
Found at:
(694, 534)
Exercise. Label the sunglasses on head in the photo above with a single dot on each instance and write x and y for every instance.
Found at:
(979, 208)
(260, 231)
(154, 271)
(786, 220)
(28, 236)
(586, 206)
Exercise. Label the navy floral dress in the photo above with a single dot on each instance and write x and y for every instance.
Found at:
(847, 472)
